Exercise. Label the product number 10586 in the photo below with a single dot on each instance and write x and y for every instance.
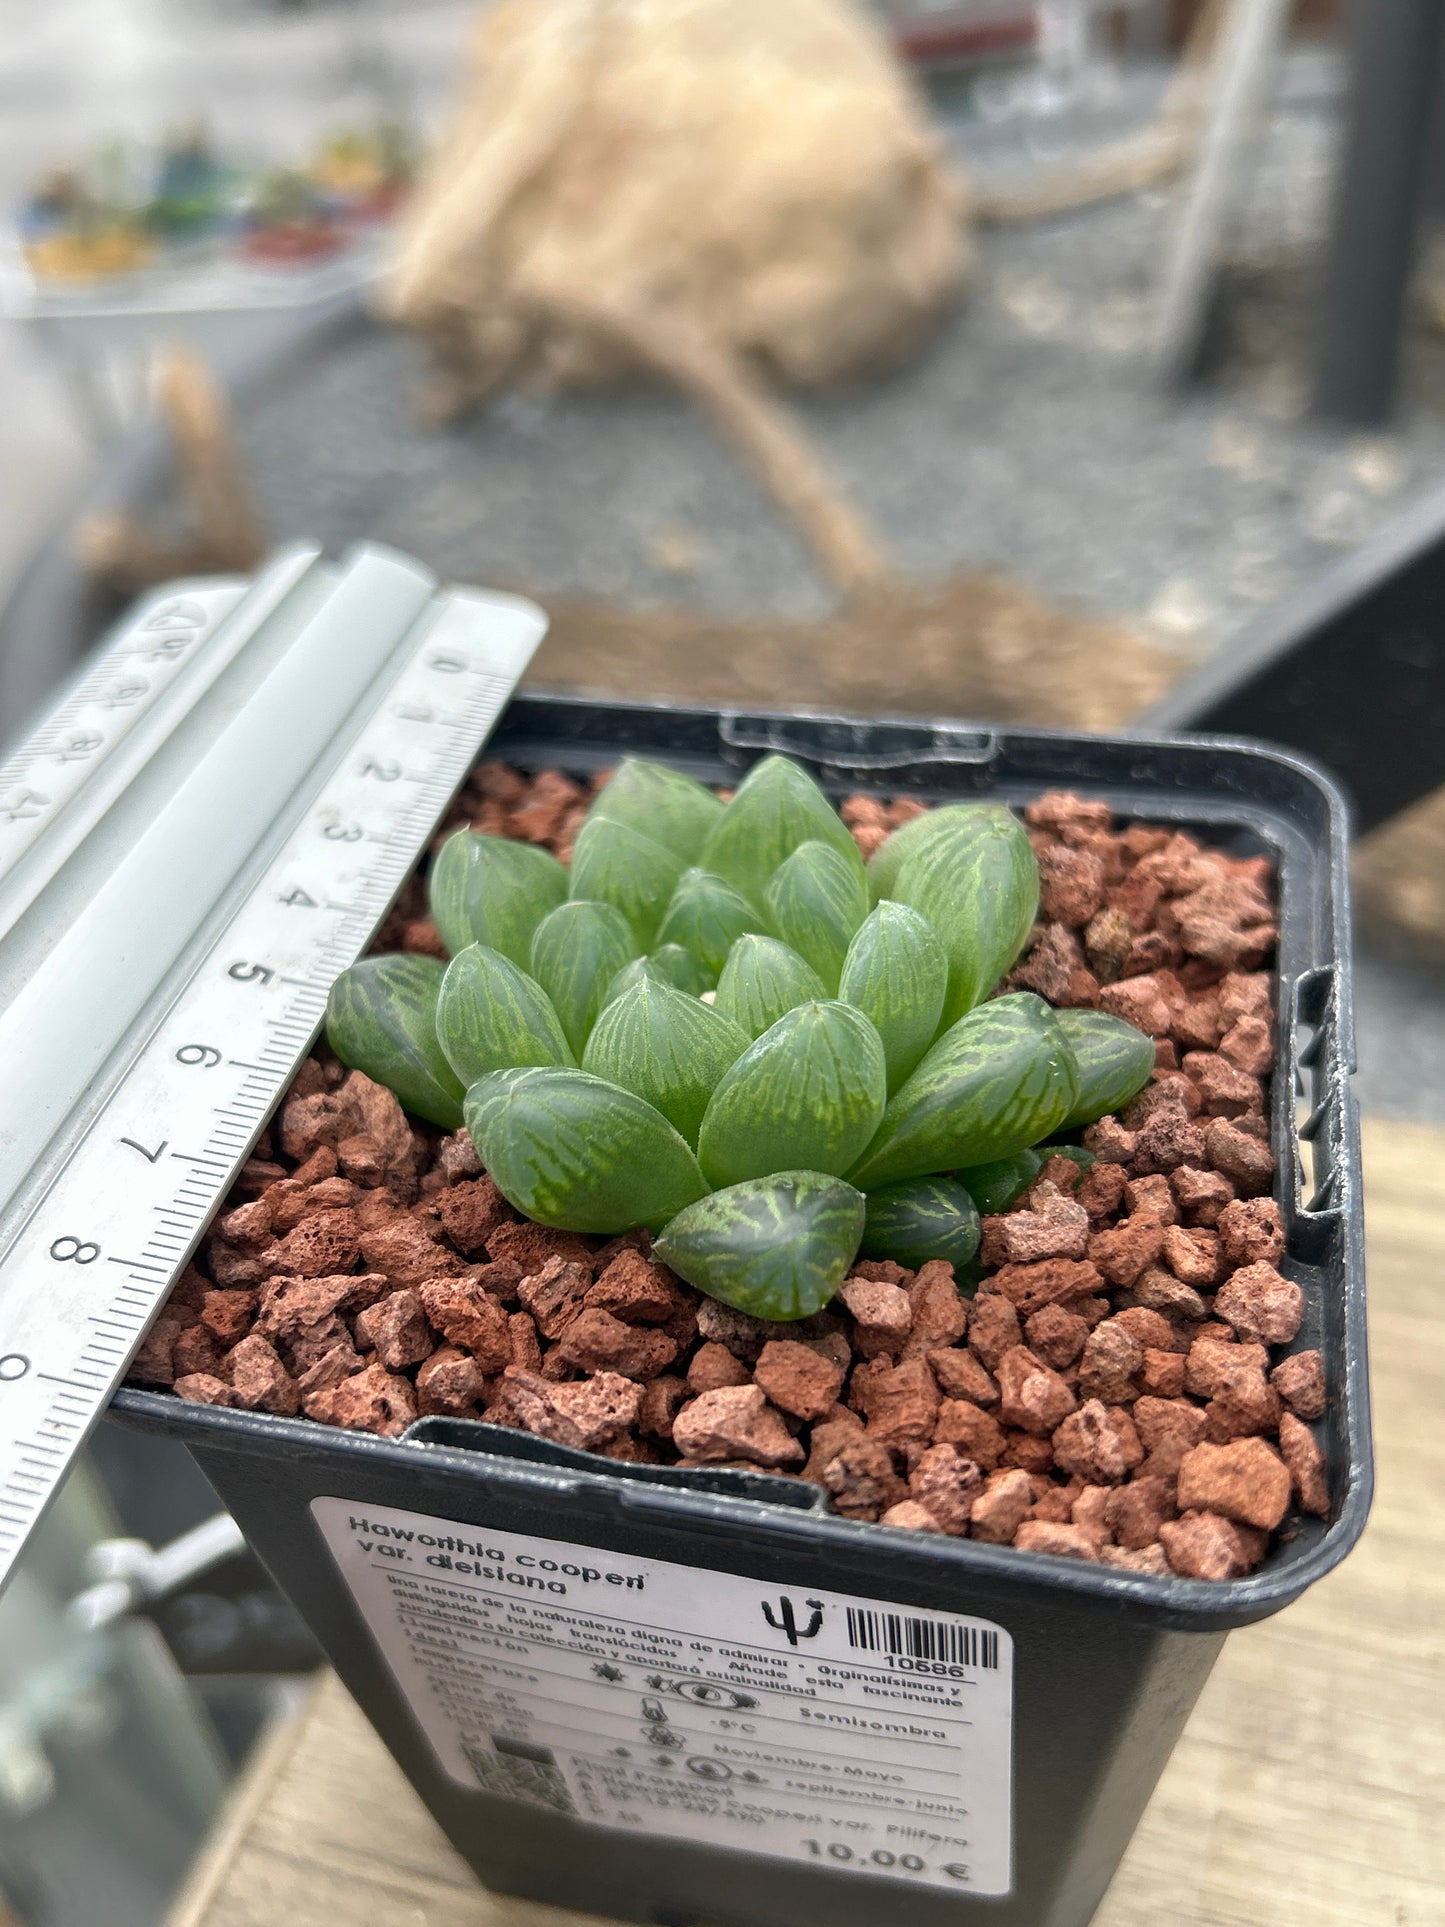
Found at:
(879, 1857)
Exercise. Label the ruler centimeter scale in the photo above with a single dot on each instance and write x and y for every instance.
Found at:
(172, 920)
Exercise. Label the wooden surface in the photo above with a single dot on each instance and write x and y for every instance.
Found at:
(1308, 1789)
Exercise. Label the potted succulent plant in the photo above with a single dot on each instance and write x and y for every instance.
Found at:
(703, 1029)
(721, 1037)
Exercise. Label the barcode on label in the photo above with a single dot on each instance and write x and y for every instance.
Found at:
(909, 1638)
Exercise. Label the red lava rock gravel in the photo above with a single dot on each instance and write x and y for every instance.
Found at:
(1115, 1390)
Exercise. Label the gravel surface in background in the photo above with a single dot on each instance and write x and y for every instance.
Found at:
(1029, 437)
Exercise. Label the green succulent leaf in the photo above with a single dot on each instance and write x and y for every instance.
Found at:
(488, 889)
(776, 1247)
(998, 1081)
(577, 1153)
(612, 863)
(491, 1016)
(816, 899)
(666, 1047)
(381, 1020)
(808, 1093)
(777, 807)
(1115, 1061)
(921, 1219)
(662, 803)
(896, 973)
(669, 965)
(1000, 1183)
(762, 981)
(706, 916)
(954, 818)
(979, 888)
(577, 950)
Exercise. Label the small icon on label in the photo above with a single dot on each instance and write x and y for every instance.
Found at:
(787, 1621)
(664, 1736)
(655, 1711)
(610, 1673)
(706, 1769)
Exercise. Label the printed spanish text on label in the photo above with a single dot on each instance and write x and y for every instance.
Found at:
(854, 1734)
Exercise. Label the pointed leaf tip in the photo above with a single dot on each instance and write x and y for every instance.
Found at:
(492, 890)
(776, 1247)
(665, 1046)
(816, 900)
(577, 950)
(762, 981)
(777, 806)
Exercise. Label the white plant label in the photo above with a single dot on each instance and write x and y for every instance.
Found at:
(853, 1734)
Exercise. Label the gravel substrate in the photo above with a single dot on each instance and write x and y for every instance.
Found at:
(1118, 1388)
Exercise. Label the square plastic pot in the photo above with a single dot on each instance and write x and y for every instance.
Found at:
(1106, 1664)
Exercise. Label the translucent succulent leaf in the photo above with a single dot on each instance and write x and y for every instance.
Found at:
(979, 888)
(671, 964)
(660, 802)
(807, 1094)
(381, 1020)
(954, 818)
(1075, 1153)
(491, 1016)
(816, 900)
(762, 980)
(635, 873)
(488, 889)
(777, 807)
(579, 1154)
(776, 1247)
(896, 973)
(1000, 1183)
(706, 916)
(1115, 1061)
(921, 1219)
(665, 1046)
(577, 950)
(998, 1081)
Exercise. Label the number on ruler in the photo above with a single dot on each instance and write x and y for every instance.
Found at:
(299, 900)
(84, 743)
(343, 832)
(414, 713)
(204, 1054)
(168, 648)
(126, 693)
(78, 1251)
(13, 1365)
(22, 805)
(149, 1156)
(383, 772)
(448, 665)
(250, 973)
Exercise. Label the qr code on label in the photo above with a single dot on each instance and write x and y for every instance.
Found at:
(512, 1770)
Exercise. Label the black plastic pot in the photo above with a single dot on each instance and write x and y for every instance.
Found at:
(1105, 1664)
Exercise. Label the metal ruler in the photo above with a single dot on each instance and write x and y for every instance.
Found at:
(209, 826)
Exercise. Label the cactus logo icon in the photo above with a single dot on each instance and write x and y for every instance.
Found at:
(787, 1619)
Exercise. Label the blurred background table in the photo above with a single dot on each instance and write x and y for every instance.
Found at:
(1307, 1786)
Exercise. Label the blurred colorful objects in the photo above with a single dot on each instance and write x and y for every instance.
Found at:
(121, 212)
(288, 220)
(366, 172)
